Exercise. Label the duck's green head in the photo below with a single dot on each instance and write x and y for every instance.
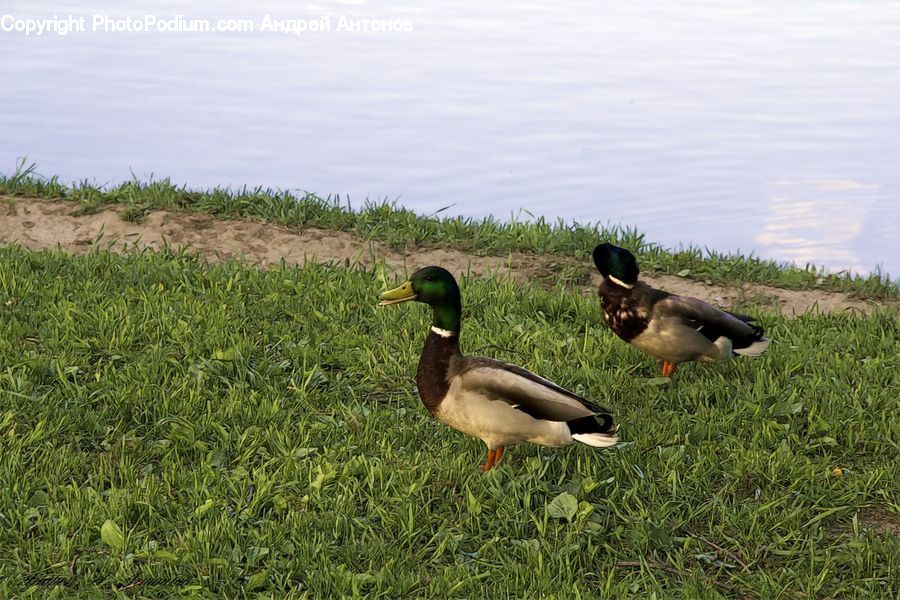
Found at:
(616, 264)
(434, 286)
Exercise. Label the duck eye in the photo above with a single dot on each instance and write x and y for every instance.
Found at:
(430, 278)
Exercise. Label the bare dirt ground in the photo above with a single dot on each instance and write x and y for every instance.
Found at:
(39, 225)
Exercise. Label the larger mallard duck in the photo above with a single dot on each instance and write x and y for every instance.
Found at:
(499, 403)
(673, 329)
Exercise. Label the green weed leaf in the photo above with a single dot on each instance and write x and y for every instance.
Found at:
(563, 506)
(112, 535)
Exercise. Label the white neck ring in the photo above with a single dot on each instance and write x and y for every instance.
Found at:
(617, 281)
(444, 333)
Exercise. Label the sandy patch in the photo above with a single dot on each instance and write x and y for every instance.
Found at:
(39, 225)
(878, 517)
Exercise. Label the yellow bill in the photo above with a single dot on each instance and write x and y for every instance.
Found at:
(404, 293)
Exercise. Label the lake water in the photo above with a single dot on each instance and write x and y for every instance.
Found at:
(764, 127)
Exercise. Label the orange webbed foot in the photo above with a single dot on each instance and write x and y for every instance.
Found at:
(668, 368)
(493, 458)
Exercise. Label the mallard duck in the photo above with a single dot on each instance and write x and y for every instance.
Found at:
(500, 403)
(673, 329)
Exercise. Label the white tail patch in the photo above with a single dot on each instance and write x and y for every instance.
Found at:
(754, 349)
(723, 345)
(597, 440)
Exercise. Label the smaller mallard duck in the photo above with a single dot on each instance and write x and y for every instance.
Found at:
(673, 329)
(500, 403)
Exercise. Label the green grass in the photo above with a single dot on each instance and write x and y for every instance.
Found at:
(244, 432)
(403, 229)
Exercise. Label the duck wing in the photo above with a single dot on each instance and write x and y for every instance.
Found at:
(710, 321)
(520, 388)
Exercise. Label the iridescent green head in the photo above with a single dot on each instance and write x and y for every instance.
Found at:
(434, 286)
(616, 264)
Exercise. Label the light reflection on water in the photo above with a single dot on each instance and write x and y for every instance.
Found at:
(694, 121)
(811, 222)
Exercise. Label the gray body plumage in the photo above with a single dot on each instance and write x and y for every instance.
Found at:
(677, 328)
(683, 329)
(503, 404)
(497, 403)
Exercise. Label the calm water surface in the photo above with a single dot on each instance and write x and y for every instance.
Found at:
(760, 126)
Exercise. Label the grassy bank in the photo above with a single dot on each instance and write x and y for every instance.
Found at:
(223, 431)
(403, 229)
